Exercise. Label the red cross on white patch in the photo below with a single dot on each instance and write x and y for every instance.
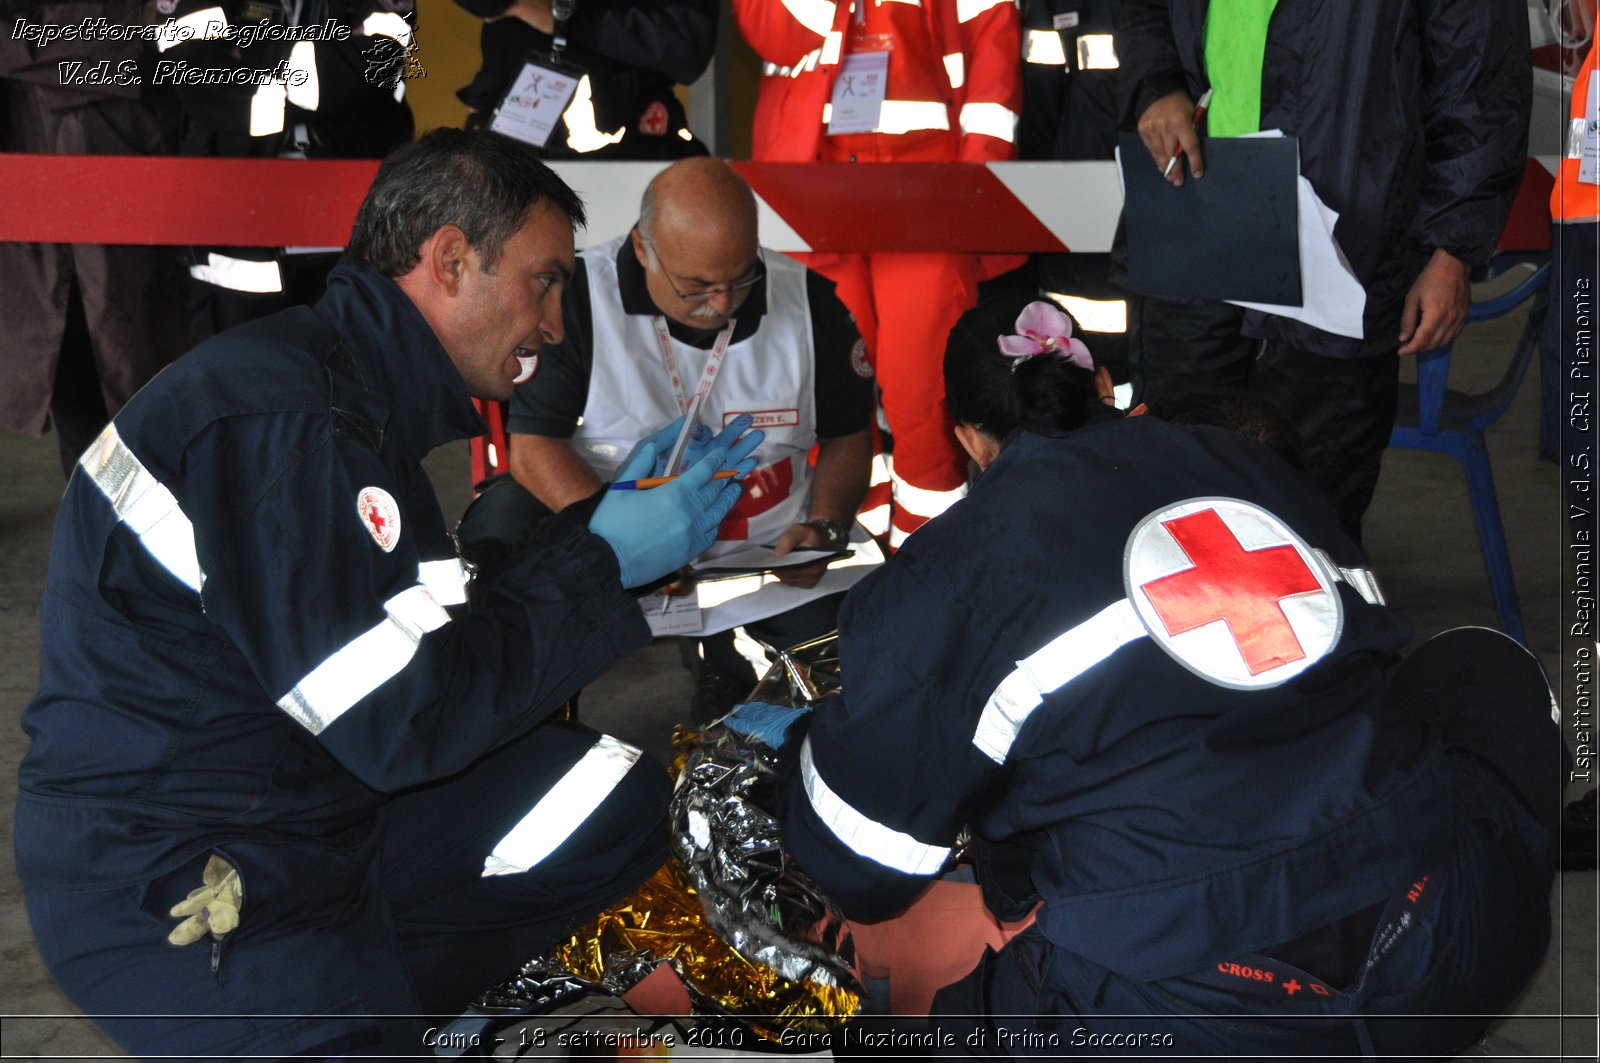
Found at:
(378, 512)
(654, 120)
(1231, 592)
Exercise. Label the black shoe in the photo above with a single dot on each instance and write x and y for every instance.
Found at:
(1580, 831)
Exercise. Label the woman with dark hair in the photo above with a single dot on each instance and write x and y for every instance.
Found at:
(1144, 667)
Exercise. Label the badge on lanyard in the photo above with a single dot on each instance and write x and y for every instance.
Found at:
(537, 99)
(859, 88)
(1589, 159)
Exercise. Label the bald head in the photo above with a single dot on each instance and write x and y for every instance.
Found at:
(699, 199)
(697, 233)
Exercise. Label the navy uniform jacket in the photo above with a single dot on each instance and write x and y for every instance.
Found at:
(633, 52)
(251, 626)
(1174, 821)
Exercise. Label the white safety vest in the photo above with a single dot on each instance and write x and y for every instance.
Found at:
(770, 376)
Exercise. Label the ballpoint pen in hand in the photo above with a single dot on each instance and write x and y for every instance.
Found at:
(656, 481)
(1195, 120)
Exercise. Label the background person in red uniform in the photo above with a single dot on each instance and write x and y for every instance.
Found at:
(949, 90)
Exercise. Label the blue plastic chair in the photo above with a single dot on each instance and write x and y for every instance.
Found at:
(1434, 417)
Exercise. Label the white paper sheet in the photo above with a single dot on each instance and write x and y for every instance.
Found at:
(1333, 299)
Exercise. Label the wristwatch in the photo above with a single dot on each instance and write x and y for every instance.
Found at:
(836, 531)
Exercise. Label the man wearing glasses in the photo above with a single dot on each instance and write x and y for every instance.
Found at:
(687, 312)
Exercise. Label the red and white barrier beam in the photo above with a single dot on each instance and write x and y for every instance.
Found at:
(999, 207)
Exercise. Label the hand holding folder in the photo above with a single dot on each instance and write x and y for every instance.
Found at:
(1233, 235)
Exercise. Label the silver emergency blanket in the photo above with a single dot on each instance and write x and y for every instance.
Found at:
(728, 845)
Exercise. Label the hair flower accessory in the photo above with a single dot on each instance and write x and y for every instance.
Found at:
(1043, 328)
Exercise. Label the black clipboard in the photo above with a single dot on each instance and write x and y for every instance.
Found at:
(1232, 234)
(711, 574)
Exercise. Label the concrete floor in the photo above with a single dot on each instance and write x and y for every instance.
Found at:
(1419, 534)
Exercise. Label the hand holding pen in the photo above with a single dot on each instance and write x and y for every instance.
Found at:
(1169, 128)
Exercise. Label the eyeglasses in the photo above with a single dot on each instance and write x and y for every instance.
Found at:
(701, 295)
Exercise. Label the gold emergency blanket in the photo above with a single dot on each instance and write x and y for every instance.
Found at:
(748, 933)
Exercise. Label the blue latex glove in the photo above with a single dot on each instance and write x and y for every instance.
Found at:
(763, 722)
(701, 443)
(658, 531)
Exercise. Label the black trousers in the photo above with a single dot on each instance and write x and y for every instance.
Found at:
(1427, 987)
(412, 933)
(1344, 408)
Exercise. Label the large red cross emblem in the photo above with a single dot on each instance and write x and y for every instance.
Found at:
(1243, 588)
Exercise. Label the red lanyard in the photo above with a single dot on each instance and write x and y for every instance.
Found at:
(674, 374)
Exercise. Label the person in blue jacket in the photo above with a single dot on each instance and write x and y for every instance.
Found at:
(285, 794)
(1144, 665)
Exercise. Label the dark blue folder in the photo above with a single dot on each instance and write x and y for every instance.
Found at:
(1232, 234)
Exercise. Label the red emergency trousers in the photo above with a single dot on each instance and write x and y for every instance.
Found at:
(954, 89)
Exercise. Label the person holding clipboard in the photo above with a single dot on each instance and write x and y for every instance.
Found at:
(1412, 123)
(687, 317)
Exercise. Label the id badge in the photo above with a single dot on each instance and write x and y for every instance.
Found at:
(858, 92)
(1589, 157)
(674, 614)
(536, 100)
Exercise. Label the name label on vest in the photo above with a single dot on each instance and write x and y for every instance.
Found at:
(764, 418)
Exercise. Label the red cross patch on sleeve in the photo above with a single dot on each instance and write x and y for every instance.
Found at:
(381, 515)
(1231, 593)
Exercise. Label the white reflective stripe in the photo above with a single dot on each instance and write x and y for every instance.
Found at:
(387, 24)
(144, 504)
(1044, 47)
(913, 3)
(1361, 580)
(583, 135)
(304, 92)
(239, 274)
(207, 24)
(967, 10)
(832, 45)
(563, 808)
(991, 119)
(863, 836)
(1095, 315)
(366, 662)
(882, 469)
(922, 502)
(955, 68)
(446, 580)
(266, 109)
(904, 116)
(1097, 51)
(1574, 145)
(1044, 671)
(875, 521)
(814, 15)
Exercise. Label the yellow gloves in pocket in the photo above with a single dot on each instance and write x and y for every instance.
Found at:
(212, 908)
